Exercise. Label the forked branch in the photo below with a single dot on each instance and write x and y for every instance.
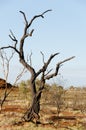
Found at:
(48, 76)
(57, 68)
(36, 16)
(27, 26)
(45, 66)
(10, 47)
(13, 38)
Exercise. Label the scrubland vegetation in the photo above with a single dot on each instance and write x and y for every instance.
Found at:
(62, 109)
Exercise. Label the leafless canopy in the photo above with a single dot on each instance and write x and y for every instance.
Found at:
(20, 51)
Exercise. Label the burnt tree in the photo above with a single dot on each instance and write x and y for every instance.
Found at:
(33, 112)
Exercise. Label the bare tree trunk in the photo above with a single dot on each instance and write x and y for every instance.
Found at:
(32, 114)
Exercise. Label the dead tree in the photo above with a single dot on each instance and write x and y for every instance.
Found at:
(33, 112)
(5, 63)
(7, 87)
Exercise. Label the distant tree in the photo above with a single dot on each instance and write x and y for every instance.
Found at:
(58, 97)
(33, 112)
(5, 64)
(7, 87)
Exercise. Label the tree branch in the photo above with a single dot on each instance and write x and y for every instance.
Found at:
(20, 75)
(57, 68)
(36, 16)
(10, 47)
(13, 38)
(24, 17)
(27, 26)
(30, 59)
(46, 64)
(42, 56)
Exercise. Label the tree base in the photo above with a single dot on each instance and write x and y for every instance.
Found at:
(32, 114)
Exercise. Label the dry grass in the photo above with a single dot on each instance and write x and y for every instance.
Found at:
(16, 104)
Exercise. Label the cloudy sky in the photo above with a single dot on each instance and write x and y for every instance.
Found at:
(62, 30)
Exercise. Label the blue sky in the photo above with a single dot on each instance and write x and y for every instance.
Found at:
(63, 30)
